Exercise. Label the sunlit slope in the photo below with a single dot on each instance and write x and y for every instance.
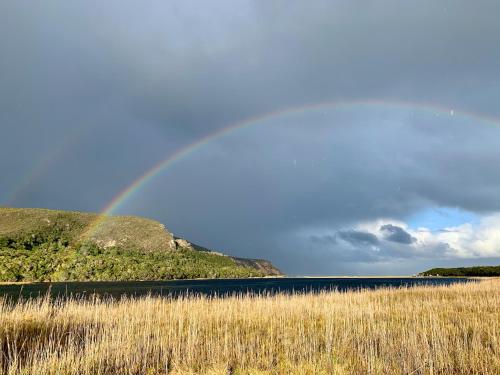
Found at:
(36, 226)
(48, 245)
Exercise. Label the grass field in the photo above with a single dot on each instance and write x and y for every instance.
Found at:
(421, 330)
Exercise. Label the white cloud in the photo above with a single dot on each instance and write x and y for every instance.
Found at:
(469, 240)
(478, 240)
(466, 241)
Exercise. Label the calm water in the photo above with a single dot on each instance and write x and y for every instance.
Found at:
(214, 287)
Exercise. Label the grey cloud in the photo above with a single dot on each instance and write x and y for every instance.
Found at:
(358, 238)
(351, 246)
(326, 239)
(397, 234)
(350, 236)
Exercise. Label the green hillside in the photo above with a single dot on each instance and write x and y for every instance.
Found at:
(50, 245)
(464, 271)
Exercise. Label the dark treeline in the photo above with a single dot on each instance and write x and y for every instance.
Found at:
(464, 271)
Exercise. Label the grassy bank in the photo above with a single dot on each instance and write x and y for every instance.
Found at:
(422, 330)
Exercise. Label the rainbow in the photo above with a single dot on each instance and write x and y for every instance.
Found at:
(136, 185)
(42, 166)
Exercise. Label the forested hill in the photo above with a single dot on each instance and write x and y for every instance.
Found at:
(53, 245)
(464, 271)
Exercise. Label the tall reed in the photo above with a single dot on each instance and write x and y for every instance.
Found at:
(420, 330)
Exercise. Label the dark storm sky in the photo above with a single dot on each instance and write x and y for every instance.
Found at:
(93, 94)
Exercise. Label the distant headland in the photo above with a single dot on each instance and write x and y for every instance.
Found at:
(54, 245)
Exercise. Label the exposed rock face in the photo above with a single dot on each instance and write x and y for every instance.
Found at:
(182, 244)
(110, 243)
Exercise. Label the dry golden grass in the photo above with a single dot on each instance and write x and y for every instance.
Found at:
(421, 330)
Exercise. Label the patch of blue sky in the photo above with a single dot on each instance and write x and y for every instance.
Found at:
(438, 218)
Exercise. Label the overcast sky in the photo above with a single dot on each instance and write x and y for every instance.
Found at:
(405, 175)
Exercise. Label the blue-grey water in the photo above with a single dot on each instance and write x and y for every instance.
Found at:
(221, 287)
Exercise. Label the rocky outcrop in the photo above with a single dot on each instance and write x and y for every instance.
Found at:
(181, 243)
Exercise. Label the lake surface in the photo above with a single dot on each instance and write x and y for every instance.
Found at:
(214, 287)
